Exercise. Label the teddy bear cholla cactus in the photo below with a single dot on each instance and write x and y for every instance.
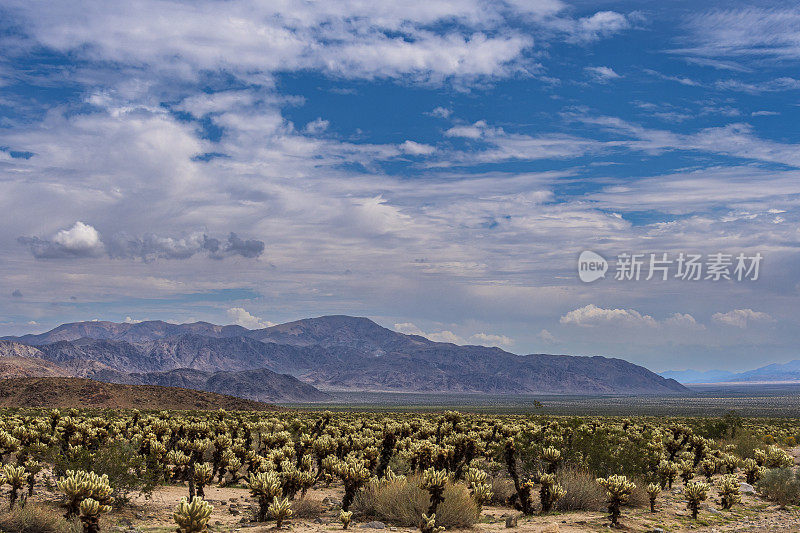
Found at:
(752, 470)
(192, 517)
(434, 481)
(618, 490)
(653, 490)
(345, 517)
(549, 492)
(480, 490)
(202, 476)
(79, 485)
(91, 510)
(264, 486)
(695, 492)
(729, 491)
(280, 510)
(428, 524)
(16, 477)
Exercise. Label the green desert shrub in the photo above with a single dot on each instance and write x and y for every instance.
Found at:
(128, 472)
(780, 485)
(402, 502)
(37, 518)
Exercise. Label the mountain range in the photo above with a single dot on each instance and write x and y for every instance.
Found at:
(775, 372)
(300, 360)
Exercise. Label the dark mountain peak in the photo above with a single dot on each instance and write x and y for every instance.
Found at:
(359, 333)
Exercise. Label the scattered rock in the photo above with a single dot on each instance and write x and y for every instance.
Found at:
(511, 521)
(374, 525)
(746, 488)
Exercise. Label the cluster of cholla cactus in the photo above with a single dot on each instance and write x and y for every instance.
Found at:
(192, 516)
(282, 456)
(428, 525)
(90, 511)
(618, 490)
(345, 517)
(79, 485)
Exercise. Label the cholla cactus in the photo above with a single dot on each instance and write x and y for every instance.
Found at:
(265, 487)
(345, 517)
(202, 476)
(79, 485)
(777, 458)
(729, 491)
(354, 475)
(730, 462)
(686, 469)
(549, 492)
(551, 456)
(752, 471)
(91, 510)
(667, 471)
(16, 477)
(653, 490)
(618, 490)
(696, 492)
(708, 467)
(192, 517)
(434, 482)
(280, 510)
(32, 467)
(428, 525)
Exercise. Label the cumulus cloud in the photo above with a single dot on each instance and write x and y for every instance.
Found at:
(83, 240)
(740, 318)
(242, 317)
(488, 339)
(415, 148)
(80, 240)
(482, 339)
(592, 315)
(601, 24)
(129, 320)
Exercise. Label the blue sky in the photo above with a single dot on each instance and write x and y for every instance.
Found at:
(436, 166)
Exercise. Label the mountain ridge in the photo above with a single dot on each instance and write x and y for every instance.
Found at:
(335, 352)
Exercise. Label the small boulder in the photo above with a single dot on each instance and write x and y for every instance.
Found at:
(374, 525)
(746, 488)
(511, 521)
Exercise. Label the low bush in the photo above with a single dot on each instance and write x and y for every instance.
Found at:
(308, 508)
(402, 502)
(35, 518)
(780, 485)
(583, 493)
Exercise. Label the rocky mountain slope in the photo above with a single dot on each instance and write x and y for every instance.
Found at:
(86, 393)
(331, 352)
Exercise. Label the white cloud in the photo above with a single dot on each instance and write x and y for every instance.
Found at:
(415, 148)
(80, 240)
(242, 317)
(316, 126)
(547, 337)
(488, 339)
(601, 24)
(591, 315)
(441, 112)
(740, 318)
(129, 320)
(602, 74)
(482, 339)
